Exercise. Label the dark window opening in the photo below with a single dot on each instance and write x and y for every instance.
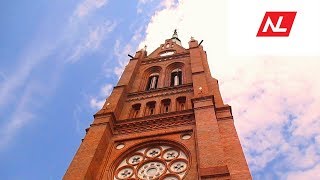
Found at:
(152, 82)
(150, 110)
(135, 110)
(182, 106)
(176, 77)
(167, 109)
(165, 105)
(181, 103)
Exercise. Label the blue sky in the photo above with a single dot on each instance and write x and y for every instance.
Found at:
(60, 60)
(55, 58)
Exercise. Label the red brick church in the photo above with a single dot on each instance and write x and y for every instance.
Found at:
(165, 119)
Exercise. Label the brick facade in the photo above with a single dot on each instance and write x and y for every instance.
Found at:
(168, 132)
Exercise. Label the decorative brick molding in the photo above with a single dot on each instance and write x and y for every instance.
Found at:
(160, 92)
(224, 113)
(161, 59)
(154, 122)
(213, 172)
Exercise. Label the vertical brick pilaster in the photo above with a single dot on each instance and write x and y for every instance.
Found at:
(90, 153)
(211, 159)
(233, 151)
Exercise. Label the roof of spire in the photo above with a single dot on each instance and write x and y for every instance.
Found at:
(175, 37)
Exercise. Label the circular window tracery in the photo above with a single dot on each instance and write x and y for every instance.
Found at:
(124, 172)
(135, 159)
(152, 169)
(164, 162)
(153, 152)
(170, 154)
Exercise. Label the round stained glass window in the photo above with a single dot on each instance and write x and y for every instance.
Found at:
(165, 162)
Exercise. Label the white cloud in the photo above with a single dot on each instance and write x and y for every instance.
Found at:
(275, 100)
(106, 90)
(121, 52)
(87, 6)
(311, 174)
(92, 41)
(13, 126)
(21, 115)
(96, 104)
(37, 51)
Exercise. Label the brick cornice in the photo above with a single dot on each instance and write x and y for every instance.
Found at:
(160, 92)
(153, 122)
(165, 58)
(203, 98)
(224, 113)
(212, 172)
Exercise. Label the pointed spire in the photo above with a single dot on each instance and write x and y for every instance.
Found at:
(175, 34)
(175, 37)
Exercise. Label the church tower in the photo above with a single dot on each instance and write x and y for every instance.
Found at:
(165, 119)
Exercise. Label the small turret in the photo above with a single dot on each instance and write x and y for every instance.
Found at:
(175, 38)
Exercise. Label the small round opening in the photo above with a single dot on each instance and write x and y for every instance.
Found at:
(186, 136)
(120, 146)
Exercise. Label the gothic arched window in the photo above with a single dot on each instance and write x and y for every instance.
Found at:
(135, 110)
(165, 105)
(176, 77)
(151, 108)
(181, 103)
(152, 81)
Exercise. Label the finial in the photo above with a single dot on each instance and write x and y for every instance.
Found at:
(192, 38)
(175, 37)
(145, 48)
(175, 33)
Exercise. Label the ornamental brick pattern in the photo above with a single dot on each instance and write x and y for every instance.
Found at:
(165, 119)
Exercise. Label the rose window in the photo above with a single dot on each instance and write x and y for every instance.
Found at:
(155, 162)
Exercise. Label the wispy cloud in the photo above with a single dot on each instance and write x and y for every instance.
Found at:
(22, 115)
(97, 102)
(92, 41)
(312, 173)
(37, 51)
(106, 90)
(31, 59)
(121, 50)
(87, 6)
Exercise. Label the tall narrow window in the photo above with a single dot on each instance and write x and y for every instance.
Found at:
(150, 109)
(165, 105)
(135, 110)
(181, 103)
(152, 81)
(176, 77)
